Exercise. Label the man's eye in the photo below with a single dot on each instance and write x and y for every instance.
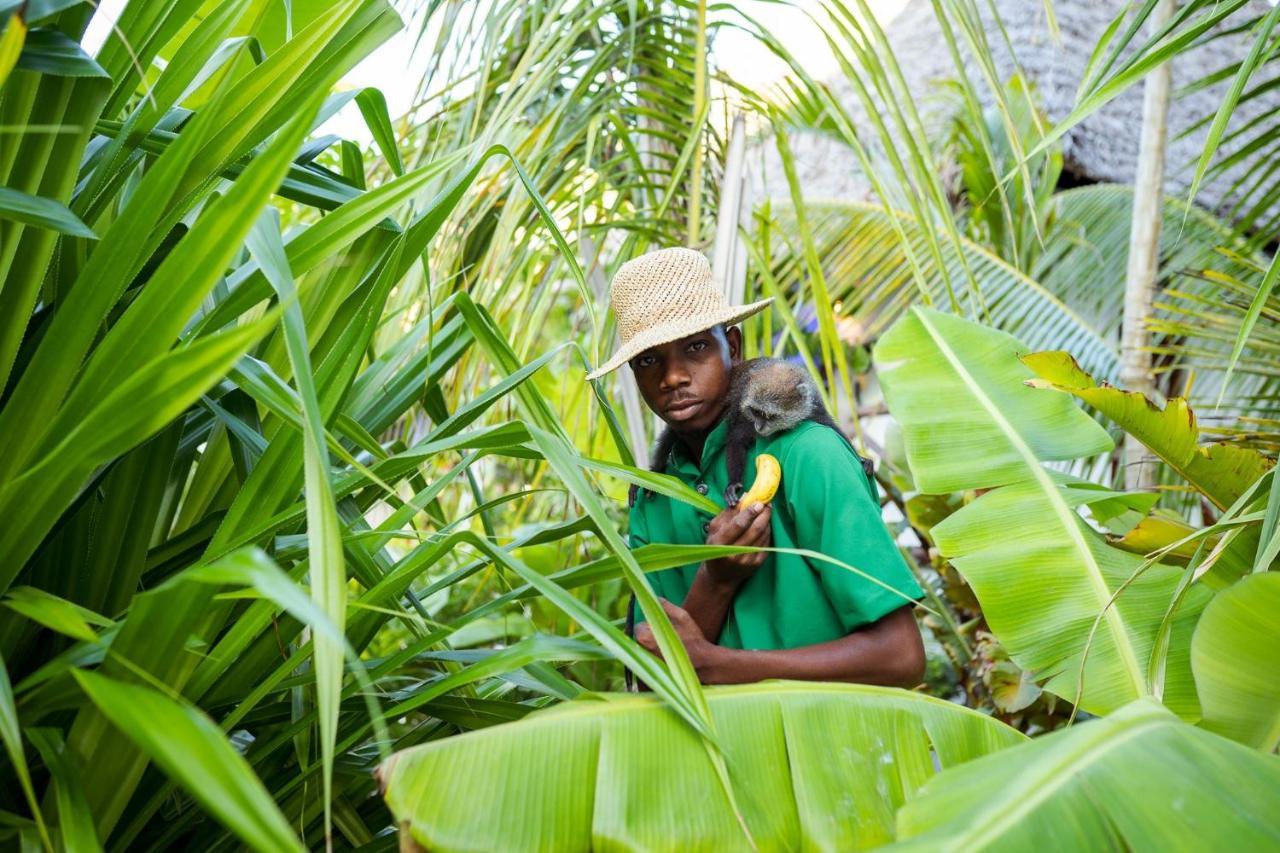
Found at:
(697, 345)
(644, 361)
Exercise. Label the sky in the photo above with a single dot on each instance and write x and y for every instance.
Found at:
(390, 68)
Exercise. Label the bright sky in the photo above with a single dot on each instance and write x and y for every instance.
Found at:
(390, 68)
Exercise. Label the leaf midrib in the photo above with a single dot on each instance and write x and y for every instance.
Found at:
(1053, 776)
(1064, 514)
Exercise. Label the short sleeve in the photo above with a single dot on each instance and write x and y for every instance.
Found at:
(836, 514)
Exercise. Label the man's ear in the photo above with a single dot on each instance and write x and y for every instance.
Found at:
(733, 335)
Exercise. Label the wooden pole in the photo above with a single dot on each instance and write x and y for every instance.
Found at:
(726, 266)
(1144, 252)
(699, 99)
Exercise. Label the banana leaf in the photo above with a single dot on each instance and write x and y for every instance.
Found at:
(1221, 472)
(814, 765)
(1136, 780)
(1043, 576)
(1233, 656)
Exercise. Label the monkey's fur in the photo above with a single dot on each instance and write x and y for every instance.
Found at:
(766, 396)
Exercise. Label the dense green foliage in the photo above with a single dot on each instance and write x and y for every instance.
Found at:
(298, 470)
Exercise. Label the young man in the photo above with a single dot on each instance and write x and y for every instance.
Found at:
(759, 615)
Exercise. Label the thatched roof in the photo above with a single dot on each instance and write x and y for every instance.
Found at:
(1103, 148)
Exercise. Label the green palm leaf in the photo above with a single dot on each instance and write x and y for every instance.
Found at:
(876, 279)
(822, 765)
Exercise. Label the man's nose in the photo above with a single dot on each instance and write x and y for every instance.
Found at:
(674, 375)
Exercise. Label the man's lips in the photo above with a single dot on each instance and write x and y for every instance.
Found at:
(683, 409)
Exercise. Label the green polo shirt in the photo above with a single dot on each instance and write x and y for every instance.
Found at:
(824, 504)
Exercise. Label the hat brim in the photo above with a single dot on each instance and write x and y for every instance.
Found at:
(665, 333)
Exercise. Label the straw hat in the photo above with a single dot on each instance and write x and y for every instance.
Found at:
(663, 296)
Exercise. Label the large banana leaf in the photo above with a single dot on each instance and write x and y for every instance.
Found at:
(820, 766)
(1042, 575)
(1136, 780)
(1221, 472)
(1237, 669)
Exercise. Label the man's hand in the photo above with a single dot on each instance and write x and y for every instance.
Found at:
(888, 651)
(703, 654)
(741, 525)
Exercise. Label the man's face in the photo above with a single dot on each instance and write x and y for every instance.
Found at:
(686, 381)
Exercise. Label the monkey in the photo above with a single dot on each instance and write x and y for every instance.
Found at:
(766, 396)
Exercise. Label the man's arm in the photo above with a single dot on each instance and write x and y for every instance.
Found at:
(709, 600)
(888, 651)
(716, 581)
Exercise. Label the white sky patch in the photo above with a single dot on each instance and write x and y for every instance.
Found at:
(396, 71)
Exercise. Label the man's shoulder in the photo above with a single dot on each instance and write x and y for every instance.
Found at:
(807, 440)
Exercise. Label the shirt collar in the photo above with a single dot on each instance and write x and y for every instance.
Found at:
(711, 446)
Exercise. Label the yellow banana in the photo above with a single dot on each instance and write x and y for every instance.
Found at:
(763, 487)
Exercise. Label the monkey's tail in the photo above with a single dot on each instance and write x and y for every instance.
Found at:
(631, 632)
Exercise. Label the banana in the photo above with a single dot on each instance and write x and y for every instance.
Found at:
(763, 487)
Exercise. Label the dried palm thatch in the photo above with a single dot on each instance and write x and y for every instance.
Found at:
(1102, 148)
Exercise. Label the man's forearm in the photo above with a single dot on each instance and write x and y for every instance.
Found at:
(709, 600)
(888, 652)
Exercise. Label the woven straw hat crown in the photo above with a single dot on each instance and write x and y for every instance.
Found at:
(663, 296)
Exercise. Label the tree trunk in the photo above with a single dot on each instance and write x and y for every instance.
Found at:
(1144, 252)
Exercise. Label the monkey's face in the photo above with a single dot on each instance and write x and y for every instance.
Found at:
(766, 421)
(774, 399)
(686, 382)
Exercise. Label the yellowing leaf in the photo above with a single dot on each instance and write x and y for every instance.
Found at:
(1220, 472)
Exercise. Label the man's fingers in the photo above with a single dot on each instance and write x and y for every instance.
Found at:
(674, 613)
(644, 636)
(756, 531)
(744, 519)
(760, 524)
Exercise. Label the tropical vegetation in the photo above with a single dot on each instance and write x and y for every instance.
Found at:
(313, 532)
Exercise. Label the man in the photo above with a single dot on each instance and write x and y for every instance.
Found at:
(757, 615)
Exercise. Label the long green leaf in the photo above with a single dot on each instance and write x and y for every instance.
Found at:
(42, 213)
(1221, 472)
(75, 821)
(15, 33)
(1261, 48)
(178, 286)
(324, 535)
(1256, 305)
(193, 750)
(135, 410)
(11, 734)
